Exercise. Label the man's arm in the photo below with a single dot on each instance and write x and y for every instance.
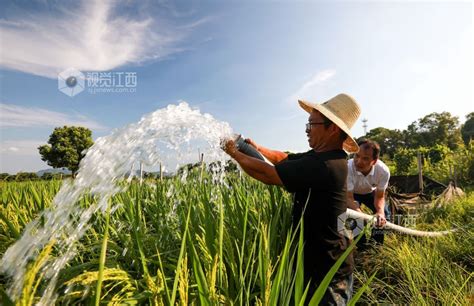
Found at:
(274, 156)
(379, 198)
(379, 204)
(257, 169)
(351, 202)
(350, 189)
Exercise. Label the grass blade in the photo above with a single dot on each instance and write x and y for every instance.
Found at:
(103, 253)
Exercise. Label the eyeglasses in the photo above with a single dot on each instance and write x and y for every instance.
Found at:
(309, 124)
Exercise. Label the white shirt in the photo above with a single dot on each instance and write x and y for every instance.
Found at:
(377, 179)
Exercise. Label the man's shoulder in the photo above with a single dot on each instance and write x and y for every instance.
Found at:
(350, 166)
(321, 160)
(381, 166)
(334, 154)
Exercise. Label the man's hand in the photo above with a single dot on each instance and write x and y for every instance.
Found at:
(381, 221)
(228, 145)
(379, 204)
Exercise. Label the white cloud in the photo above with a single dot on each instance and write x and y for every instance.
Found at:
(88, 37)
(21, 155)
(18, 116)
(21, 147)
(312, 86)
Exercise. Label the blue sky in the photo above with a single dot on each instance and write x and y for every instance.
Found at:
(244, 62)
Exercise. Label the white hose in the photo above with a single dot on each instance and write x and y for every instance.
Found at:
(358, 215)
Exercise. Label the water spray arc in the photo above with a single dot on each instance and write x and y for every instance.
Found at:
(164, 137)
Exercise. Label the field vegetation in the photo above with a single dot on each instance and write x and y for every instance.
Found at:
(190, 241)
(193, 242)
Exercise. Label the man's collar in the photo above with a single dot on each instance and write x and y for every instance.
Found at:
(372, 171)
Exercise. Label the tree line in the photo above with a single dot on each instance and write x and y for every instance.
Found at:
(32, 176)
(446, 145)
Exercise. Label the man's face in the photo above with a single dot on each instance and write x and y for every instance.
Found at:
(317, 133)
(363, 160)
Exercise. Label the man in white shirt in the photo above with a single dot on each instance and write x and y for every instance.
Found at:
(367, 180)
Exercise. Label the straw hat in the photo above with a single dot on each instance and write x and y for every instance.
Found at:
(343, 111)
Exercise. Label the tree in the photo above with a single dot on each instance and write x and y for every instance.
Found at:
(4, 176)
(405, 161)
(48, 176)
(467, 129)
(66, 147)
(435, 128)
(389, 140)
(26, 176)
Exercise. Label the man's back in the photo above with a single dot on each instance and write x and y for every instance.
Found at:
(318, 181)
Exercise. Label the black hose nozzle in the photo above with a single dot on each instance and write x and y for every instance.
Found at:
(246, 148)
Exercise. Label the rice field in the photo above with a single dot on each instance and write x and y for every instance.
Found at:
(191, 242)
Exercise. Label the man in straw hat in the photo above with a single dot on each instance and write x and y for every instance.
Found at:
(318, 180)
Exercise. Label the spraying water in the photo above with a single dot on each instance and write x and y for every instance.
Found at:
(168, 137)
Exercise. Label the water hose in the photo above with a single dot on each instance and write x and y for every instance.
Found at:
(246, 148)
(361, 216)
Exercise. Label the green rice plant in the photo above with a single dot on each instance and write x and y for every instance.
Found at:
(20, 203)
(194, 242)
(425, 271)
(34, 276)
(117, 284)
(218, 263)
(102, 256)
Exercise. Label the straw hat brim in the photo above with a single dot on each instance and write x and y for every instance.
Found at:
(349, 145)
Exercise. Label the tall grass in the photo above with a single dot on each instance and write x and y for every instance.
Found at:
(173, 242)
(21, 202)
(420, 271)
